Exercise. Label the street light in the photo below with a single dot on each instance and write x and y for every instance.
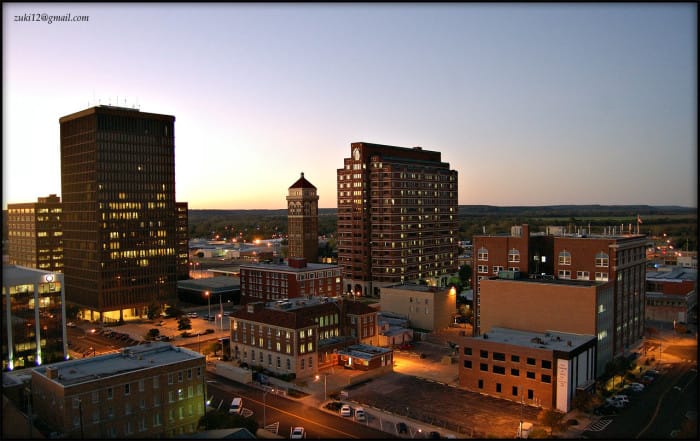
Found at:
(325, 377)
(206, 293)
(265, 392)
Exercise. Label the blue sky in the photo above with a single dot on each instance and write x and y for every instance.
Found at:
(533, 104)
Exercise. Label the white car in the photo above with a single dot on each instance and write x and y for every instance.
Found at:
(346, 410)
(637, 386)
(297, 433)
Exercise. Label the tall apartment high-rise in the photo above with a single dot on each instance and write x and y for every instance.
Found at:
(397, 217)
(302, 220)
(183, 237)
(119, 213)
(614, 256)
(35, 234)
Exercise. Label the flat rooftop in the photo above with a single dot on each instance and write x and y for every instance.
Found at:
(363, 351)
(550, 279)
(284, 267)
(552, 340)
(129, 359)
(214, 284)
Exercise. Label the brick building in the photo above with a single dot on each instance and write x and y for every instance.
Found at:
(535, 368)
(302, 220)
(153, 390)
(538, 305)
(294, 279)
(556, 254)
(397, 218)
(671, 294)
(297, 336)
(35, 234)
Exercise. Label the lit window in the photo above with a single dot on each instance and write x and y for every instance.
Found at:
(601, 260)
(565, 258)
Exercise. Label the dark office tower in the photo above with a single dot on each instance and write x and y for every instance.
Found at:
(397, 218)
(183, 237)
(302, 220)
(119, 214)
(35, 234)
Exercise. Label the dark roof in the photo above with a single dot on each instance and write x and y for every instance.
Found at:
(357, 308)
(302, 183)
(293, 319)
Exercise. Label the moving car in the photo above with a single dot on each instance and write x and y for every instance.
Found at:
(297, 433)
(346, 410)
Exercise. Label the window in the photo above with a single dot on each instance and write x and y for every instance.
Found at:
(514, 256)
(468, 364)
(483, 268)
(515, 358)
(189, 374)
(170, 378)
(601, 260)
(565, 258)
(514, 391)
(498, 370)
(583, 275)
(497, 269)
(531, 361)
(481, 384)
(179, 377)
(127, 389)
(289, 364)
(484, 354)
(484, 367)
(483, 254)
(601, 277)
(499, 356)
(127, 409)
(515, 372)
(546, 378)
(530, 375)
(564, 274)
(141, 386)
(110, 393)
(302, 363)
(546, 364)
(530, 394)
(95, 397)
(467, 351)
(498, 387)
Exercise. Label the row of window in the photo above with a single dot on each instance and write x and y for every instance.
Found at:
(500, 356)
(601, 259)
(514, 372)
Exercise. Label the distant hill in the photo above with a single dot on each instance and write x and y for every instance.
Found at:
(487, 210)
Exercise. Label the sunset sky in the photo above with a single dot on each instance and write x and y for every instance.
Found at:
(533, 104)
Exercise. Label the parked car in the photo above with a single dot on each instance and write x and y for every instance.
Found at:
(346, 410)
(637, 386)
(360, 414)
(70, 324)
(236, 405)
(401, 427)
(192, 314)
(605, 409)
(647, 379)
(297, 433)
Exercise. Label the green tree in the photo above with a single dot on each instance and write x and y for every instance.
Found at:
(221, 419)
(153, 311)
(172, 311)
(152, 334)
(465, 275)
(212, 346)
(551, 418)
(184, 323)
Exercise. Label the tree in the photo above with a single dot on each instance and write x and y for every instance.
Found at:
(184, 323)
(212, 346)
(152, 334)
(465, 275)
(153, 311)
(172, 311)
(551, 418)
(221, 419)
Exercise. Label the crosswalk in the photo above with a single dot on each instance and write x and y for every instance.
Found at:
(599, 425)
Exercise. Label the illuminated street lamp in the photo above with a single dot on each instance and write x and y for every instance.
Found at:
(208, 295)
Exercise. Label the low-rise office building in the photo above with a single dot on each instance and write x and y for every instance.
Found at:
(145, 391)
(33, 317)
(543, 369)
(538, 305)
(426, 307)
(296, 278)
(671, 294)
